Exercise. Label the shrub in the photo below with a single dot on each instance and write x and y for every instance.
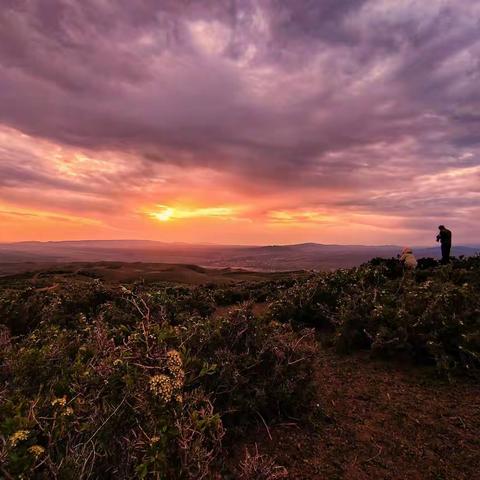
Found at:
(315, 300)
(308, 302)
(251, 367)
(22, 309)
(434, 321)
(137, 382)
(427, 263)
(257, 292)
(430, 315)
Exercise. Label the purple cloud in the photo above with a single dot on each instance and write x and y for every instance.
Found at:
(362, 97)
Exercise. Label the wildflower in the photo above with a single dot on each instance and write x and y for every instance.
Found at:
(175, 364)
(36, 450)
(178, 378)
(161, 386)
(61, 402)
(174, 360)
(178, 381)
(19, 436)
(68, 412)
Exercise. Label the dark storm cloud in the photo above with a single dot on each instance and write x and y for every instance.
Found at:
(311, 20)
(352, 94)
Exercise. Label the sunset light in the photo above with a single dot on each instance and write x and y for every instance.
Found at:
(239, 239)
(260, 124)
(163, 215)
(166, 213)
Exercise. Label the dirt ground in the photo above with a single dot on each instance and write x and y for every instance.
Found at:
(380, 420)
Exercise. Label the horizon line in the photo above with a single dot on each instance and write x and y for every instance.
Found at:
(430, 245)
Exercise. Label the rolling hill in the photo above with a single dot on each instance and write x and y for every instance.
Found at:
(17, 257)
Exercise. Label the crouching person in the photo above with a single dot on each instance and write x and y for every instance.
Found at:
(408, 258)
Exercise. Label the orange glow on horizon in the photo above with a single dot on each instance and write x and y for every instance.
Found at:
(69, 193)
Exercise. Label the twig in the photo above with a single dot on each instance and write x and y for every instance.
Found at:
(301, 339)
(144, 366)
(296, 361)
(85, 463)
(380, 449)
(105, 421)
(265, 423)
(7, 475)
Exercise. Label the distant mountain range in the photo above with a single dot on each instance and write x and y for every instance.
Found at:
(306, 256)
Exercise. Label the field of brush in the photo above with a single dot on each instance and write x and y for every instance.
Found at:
(370, 372)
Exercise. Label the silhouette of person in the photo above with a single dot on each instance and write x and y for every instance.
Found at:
(445, 239)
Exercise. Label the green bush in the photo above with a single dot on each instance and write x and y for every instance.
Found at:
(431, 315)
(137, 382)
(22, 309)
(315, 300)
(251, 367)
(258, 292)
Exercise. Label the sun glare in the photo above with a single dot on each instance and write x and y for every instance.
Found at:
(164, 215)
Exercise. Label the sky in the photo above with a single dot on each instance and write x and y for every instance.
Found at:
(240, 122)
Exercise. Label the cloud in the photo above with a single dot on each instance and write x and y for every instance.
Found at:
(353, 104)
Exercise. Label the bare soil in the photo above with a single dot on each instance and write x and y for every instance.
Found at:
(380, 420)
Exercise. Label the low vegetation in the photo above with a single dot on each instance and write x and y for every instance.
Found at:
(431, 315)
(142, 382)
(160, 381)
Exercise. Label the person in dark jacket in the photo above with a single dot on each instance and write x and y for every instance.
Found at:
(445, 239)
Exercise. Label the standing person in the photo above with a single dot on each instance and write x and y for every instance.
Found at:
(445, 239)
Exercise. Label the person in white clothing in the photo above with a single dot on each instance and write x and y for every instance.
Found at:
(408, 258)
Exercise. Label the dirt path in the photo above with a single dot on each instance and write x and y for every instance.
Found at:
(382, 421)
